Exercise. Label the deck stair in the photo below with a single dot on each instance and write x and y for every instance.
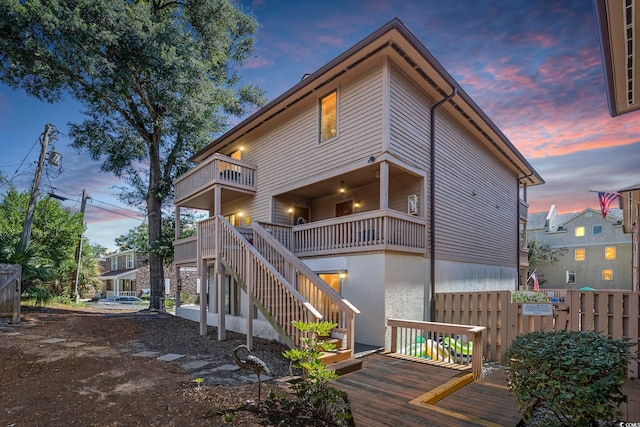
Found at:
(282, 287)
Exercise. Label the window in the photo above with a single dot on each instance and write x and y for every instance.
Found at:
(328, 116)
(114, 263)
(610, 253)
(579, 231)
(571, 276)
(130, 260)
(597, 229)
(579, 255)
(607, 274)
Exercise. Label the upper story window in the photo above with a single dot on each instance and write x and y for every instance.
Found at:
(597, 229)
(329, 116)
(579, 255)
(571, 276)
(610, 253)
(114, 263)
(579, 231)
(607, 274)
(130, 260)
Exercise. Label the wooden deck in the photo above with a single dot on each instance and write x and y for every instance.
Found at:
(389, 392)
(381, 394)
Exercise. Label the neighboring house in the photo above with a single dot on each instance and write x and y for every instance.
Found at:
(598, 251)
(119, 271)
(335, 179)
(618, 23)
(127, 273)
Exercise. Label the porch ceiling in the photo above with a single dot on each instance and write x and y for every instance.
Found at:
(352, 179)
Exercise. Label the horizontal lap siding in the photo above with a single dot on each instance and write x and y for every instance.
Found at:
(468, 228)
(481, 228)
(289, 151)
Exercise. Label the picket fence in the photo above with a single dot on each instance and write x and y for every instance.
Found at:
(613, 313)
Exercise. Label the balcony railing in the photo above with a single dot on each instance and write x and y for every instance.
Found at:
(369, 231)
(363, 232)
(217, 169)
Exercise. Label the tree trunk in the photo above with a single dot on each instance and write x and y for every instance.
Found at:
(154, 215)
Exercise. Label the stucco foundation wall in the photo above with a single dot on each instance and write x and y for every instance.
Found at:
(261, 328)
(454, 276)
(364, 288)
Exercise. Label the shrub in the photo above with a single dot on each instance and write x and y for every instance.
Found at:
(39, 294)
(313, 389)
(528, 296)
(570, 377)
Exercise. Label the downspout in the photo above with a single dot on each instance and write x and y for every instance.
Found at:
(432, 203)
(524, 231)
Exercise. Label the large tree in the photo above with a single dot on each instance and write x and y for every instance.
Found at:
(157, 78)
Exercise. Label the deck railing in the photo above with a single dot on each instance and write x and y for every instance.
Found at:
(324, 298)
(269, 289)
(369, 231)
(445, 344)
(216, 169)
(185, 251)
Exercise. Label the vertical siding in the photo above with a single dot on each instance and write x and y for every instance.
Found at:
(289, 151)
(478, 228)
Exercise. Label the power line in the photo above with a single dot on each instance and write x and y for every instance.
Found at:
(118, 213)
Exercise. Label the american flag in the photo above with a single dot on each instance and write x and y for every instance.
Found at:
(536, 285)
(605, 200)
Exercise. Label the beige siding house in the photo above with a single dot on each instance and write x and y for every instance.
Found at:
(598, 250)
(353, 197)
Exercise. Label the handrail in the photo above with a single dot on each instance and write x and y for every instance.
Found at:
(332, 305)
(444, 344)
(273, 293)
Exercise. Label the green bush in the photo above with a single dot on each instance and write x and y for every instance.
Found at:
(568, 377)
(528, 296)
(313, 389)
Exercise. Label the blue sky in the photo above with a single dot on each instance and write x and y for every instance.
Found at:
(533, 66)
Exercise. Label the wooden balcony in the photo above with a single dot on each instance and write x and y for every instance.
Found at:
(523, 210)
(363, 232)
(193, 188)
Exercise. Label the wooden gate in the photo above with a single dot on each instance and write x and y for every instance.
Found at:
(10, 279)
(612, 313)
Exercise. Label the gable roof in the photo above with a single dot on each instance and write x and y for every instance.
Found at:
(553, 221)
(396, 40)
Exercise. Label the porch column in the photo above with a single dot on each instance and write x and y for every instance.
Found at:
(219, 279)
(249, 286)
(217, 195)
(384, 185)
(203, 294)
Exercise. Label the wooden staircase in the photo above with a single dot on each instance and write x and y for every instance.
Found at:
(284, 289)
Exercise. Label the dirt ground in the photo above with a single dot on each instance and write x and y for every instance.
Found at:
(94, 378)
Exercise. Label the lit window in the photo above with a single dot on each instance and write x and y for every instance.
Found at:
(571, 276)
(607, 274)
(579, 255)
(328, 116)
(579, 231)
(597, 229)
(610, 253)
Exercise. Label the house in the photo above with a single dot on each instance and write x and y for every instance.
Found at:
(617, 24)
(378, 175)
(127, 273)
(598, 251)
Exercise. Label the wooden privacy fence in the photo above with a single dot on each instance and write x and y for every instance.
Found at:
(612, 313)
(10, 279)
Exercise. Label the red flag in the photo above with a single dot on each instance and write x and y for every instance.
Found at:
(536, 285)
(605, 200)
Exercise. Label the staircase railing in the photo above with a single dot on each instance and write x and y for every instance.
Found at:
(273, 294)
(331, 305)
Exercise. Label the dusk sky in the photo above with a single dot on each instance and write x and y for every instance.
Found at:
(534, 67)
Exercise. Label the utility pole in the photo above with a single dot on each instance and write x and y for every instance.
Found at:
(28, 222)
(76, 280)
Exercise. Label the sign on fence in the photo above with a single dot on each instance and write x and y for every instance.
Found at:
(532, 309)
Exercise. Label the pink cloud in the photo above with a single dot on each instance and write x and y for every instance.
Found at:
(257, 62)
(329, 40)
